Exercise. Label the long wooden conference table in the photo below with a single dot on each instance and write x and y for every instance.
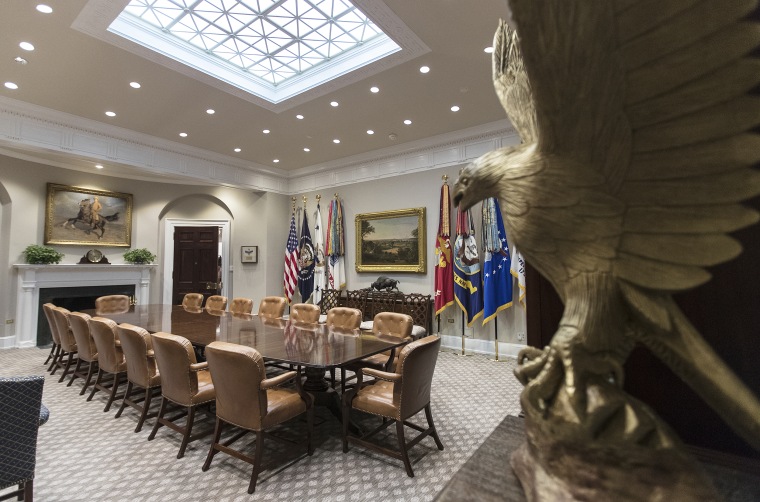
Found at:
(315, 347)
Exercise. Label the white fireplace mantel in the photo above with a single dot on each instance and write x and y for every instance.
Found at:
(32, 278)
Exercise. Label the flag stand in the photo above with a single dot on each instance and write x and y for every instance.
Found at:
(496, 342)
(463, 338)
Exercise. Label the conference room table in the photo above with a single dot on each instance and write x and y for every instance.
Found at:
(315, 347)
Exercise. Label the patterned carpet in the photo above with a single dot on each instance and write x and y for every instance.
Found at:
(85, 454)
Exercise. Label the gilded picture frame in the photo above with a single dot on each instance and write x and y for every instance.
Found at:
(391, 241)
(84, 217)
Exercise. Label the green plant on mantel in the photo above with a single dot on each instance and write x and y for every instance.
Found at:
(42, 254)
(139, 256)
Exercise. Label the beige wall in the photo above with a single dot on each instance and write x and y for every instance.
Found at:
(255, 219)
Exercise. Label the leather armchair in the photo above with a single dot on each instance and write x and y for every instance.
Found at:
(272, 306)
(396, 396)
(216, 302)
(55, 350)
(142, 370)
(241, 306)
(246, 399)
(66, 337)
(192, 300)
(87, 352)
(111, 359)
(304, 312)
(184, 382)
(342, 318)
(112, 304)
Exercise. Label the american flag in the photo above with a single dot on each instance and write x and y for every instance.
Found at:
(291, 261)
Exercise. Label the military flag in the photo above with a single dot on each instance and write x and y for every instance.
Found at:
(291, 260)
(336, 278)
(518, 271)
(444, 267)
(320, 268)
(497, 278)
(305, 261)
(468, 290)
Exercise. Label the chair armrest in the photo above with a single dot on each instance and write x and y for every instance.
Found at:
(278, 380)
(199, 366)
(382, 375)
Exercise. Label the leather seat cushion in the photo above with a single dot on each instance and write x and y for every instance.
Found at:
(282, 405)
(206, 390)
(376, 399)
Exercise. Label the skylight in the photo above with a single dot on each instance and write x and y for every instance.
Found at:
(269, 41)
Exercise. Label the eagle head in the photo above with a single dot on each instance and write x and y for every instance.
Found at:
(480, 179)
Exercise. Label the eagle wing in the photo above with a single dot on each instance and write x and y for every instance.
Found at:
(652, 99)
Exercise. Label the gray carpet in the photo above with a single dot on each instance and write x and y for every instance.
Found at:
(85, 454)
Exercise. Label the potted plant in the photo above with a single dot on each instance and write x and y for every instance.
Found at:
(139, 256)
(42, 254)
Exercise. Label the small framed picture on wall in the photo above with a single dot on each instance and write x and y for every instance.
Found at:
(249, 254)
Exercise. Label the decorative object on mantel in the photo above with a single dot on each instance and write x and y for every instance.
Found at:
(139, 256)
(385, 283)
(94, 256)
(637, 152)
(37, 254)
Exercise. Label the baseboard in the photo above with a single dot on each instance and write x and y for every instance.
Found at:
(480, 347)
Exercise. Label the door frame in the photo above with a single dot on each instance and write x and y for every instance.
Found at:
(168, 262)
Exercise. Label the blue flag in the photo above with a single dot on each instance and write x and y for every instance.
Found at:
(305, 262)
(468, 289)
(497, 279)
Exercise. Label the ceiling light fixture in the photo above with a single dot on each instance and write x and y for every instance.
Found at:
(111, 114)
(26, 46)
(374, 89)
(20, 60)
(307, 149)
(299, 117)
(424, 69)
(99, 166)
(45, 9)
(333, 103)
(276, 161)
(488, 50)
(238, 150)
(266, 131)
(183, 135)
(210, 111)
(11, 85)
(455, 108)
(408, 122)
(336, 141)
(370, 131)
(135, 85)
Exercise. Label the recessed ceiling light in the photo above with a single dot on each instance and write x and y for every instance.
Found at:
(45, 9)
(488, 50)
(299, 117)
(135, 85)
(111, 114)
(276, 161)
(407, 122)
(210, 111)
(26, 46)
(183, 135)
(99, 166)
(266, 131)
(370, 131)
(11, 85)
(336, 141)
(455, 108)
(307, 149)
(20, 60)
(424, 69)
(238, 150)
(333, 103)
(374, 89)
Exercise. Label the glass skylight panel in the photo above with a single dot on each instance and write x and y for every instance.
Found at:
(271, 39)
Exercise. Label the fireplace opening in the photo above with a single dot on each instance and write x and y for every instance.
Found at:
(74, 299)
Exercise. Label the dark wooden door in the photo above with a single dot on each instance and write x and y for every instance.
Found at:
(196, 255)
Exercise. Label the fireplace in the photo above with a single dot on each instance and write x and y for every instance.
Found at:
(73, 286)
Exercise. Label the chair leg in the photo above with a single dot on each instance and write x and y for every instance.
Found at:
(98, 380)
(75, 373)
(346, 420)
(90, 370)
(214, 442)
(188, 431)
(433, 432)
(56, 358)
(332, 377)
(256, 460)
(116, 382)
(52, 353)
(309, 430)
(146, 407)
(29, 491)
(68, 365)
(160, 417)
(124, 400)
(402, 448)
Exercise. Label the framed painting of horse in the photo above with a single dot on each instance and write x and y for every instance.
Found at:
(84, 216)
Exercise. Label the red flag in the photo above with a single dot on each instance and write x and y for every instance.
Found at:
(444, 271)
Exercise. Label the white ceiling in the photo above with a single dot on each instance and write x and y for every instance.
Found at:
(74, 78)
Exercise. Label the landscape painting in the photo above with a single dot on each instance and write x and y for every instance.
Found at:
(391, 241)
(85, 217)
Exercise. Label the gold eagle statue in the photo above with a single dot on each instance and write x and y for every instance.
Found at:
(637, 149)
